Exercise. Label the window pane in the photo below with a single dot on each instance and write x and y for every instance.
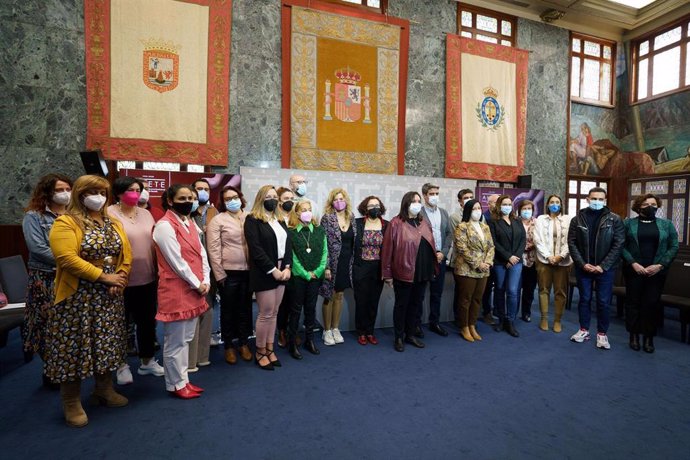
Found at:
(607, 52)
(575, 77)
(506, 28)
(354, 1)
(583, 203)
(508, 43)
(644, 48)
(125, 164)
(465, 34)
(484, 38)
(576, 45)
(374, 3)
(642, 74)
(572, 187)
(572, 206)
(667, 38)
(605, 87)
(592, 49)
(603, 185)
(487, 23)
(590, 84)
(666, 74)
(466, 20)
(586, 186)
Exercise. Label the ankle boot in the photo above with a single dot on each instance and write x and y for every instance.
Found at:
(544, 323)
(635, 342)
(103, 393)
(293, 350)
(509, 327)
(465, 333)
(70, 393)
(310, 346)
(474, 333)
(648, 344)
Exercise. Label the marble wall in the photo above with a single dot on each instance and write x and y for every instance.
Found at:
(42, 92)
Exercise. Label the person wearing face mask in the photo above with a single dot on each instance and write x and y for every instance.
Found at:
(341, 233)
(443, 236)
(528, 283)
(285, 204)
(309, 258)
(487, 305)
(270, 259)
(228, 256)
(183, 283)
(85, 331)
(206, 211)
(145, 202)
(464, 196)
(595, 239)
(475, 257)
(140, 293)
(48, 201)
(408, 263)
(299, 185)
(651, 244)
(553, 261)
(366, 269)
(509, 240)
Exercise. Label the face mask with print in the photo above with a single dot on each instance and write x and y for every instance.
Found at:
(476, 215)
(144, 197)
(301, 189)
(506, 209)
(415, 208)
(554, 208)
(596, 205)
(94, 202)
(339, 205)
(203, 196)
(305, 217)
(526, 214)
(433, 200)
(195, 205)
(130, 198)
(62, 198)
(233, 205)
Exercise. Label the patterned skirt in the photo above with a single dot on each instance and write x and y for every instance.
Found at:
(85, 334)
(39, 300)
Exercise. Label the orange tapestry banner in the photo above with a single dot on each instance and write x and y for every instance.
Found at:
(157, 77)
(486, 110)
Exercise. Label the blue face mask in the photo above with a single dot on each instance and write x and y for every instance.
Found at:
(507, 209)
(203, 196)
(195, 205)
(595, 205)
(554, 208)
(301, 189)
(233, 205)
(526, 214)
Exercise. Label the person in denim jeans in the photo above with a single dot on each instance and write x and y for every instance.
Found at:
(595, 238)
(509, 239)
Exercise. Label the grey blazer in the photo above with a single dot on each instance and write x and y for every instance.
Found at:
(446, 230)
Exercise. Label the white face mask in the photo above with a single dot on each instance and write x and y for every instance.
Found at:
(144, 196)
(433, 200)
(61, 198)
(476, 215)
(94, 202)
(415, 208)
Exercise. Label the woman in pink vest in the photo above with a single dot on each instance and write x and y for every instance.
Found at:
(183, 282)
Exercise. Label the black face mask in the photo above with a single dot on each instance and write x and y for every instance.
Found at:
(374, 213)
(270, 205)
(287, 206)
(184, 208)
(649, 212)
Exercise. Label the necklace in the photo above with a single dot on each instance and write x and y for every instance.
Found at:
(306, 240)
(131, 217)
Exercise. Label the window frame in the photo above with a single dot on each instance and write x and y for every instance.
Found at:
(492, 14)
(383, 9)
(582, 56)
(683, 44)
(582, 194)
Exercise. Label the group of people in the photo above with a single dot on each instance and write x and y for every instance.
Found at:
(91, 265)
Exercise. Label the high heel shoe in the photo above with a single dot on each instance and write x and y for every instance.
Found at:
(465, 333)
(474, 333)
(257, 359)
(275, 363)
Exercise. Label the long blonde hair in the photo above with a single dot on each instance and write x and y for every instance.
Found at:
(258, 211)
(76, 208)
(329, 209)
(294, 219)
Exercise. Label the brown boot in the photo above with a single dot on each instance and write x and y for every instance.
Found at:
(104, 393)
(474, 333)
(71, 404)
(230, 356)
(557, 319)
(465, 333)
(245, 353)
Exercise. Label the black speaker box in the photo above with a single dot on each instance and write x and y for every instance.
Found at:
(94, 163)
(524, 181)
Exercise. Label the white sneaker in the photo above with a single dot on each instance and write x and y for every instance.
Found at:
(152, 368)
(328, 338)
(193, 369)
(124, 375)
(580, 336)
(337, 336)
(216, 339)
(203, 364)
(603, 342)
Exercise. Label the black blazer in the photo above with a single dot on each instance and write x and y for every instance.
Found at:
(510, 240)
(263, 253)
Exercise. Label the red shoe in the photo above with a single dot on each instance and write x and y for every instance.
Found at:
(195, 388)
(362, 340)
(185, 393)
(372, 340)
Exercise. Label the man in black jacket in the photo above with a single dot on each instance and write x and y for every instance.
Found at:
(595, 238)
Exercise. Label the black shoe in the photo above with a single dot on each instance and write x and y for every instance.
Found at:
(418, 332)
(399, 346)
(294, 351)
(635, 342)
(648, 344)
(310, 346)
(509, 327)
(499, 326)
(526, 318)
(412, 340)
(438, 330)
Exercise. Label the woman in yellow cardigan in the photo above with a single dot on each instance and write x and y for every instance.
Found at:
(86, 326)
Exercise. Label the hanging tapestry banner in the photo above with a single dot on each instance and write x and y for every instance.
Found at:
(344, 87)
(157, 79)
(486, 110)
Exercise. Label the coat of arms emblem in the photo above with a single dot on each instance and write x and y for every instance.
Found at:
(349, 99)
(490, 112)
(161, 65)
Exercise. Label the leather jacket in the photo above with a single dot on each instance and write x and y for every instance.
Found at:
(400, 246)
(609, 240)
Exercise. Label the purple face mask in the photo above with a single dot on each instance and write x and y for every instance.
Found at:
(339, 205)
